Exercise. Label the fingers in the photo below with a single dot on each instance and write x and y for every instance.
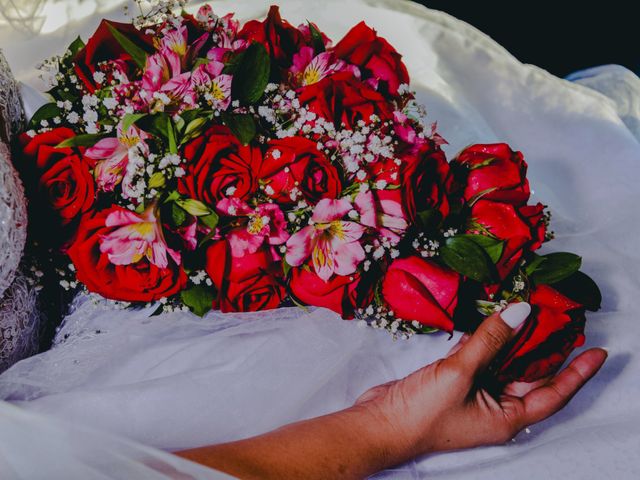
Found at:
(546, 400)
(463, 339)
(492, 334)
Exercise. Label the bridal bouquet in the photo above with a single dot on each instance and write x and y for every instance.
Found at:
(205, 164)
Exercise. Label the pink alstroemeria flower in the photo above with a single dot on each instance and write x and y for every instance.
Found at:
(332, 243)
(138, 236)
(176, 41)
(209, 81)
(111, 156)
(308, 69)
(382, 211)
(164, 84)
(265, 223)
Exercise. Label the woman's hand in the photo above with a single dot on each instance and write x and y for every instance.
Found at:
(443, 407)
(439, 407)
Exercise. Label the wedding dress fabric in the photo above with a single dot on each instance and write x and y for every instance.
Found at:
(177, 381)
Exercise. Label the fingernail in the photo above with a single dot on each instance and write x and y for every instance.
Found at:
(515, 314)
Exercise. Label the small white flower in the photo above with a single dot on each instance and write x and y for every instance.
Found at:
(381, 184)
(99, 77)
(110, 103)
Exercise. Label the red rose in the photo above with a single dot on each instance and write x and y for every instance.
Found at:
(102, 46)
(64, 178)
(281, 39)
(343, 98)
(377, 59)
(219, 166)
(424, 180)
(342, 294)
(68, 187)
(137, 282)
(245, 284)
(546, 339)
(494, 169)
(514, 225)
(294, 163)
(419, 289)
(41, 149)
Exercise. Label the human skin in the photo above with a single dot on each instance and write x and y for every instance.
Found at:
(439, 407)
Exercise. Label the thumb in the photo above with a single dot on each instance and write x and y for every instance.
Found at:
(492, 334)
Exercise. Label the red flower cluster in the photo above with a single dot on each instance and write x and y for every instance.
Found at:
(212, 166)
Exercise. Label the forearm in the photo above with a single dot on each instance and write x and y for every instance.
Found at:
(349, 444)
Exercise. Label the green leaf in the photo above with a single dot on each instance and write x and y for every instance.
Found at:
(45, 112)
(171, 136)
(251, 74)
(580, 288)
(178, 215)
(286, 268)
(198, 298)
(194, 207)
(85, 140)
(193, 129)
(243, 126)
(156, 124)
(138, 55)
(172, 197)
(492, 246)
(557, 266)
(316, 39)
(76, 46)
(210, 220)
(467, 258)
(157, 180)
(533, 264)
(131, 118)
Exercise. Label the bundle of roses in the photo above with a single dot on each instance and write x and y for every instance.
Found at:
(191, 161)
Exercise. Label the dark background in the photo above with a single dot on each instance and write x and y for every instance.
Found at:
(552, 35)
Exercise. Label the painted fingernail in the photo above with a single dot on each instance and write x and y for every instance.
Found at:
(515, 314)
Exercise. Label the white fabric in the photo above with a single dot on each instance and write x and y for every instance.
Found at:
(177, 381)
(37, 447)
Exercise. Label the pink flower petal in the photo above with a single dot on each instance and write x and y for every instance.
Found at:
(323, 261)
(347, 257)
(366, 207)
(300, 245)
(106, 148)
(329, 209)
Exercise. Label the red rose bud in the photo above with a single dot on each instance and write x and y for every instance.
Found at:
(342, 294)
(419, 289)
(343, 98)
(245, 284)
(512, 225)
(424, 180)
(281, 39)
(494, 171)
(141, 281)
(219, 166)
(375, 57)
(103, 47)
(547, 338)
(293, 168)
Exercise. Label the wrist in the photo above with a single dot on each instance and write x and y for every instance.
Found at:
(392, 441)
